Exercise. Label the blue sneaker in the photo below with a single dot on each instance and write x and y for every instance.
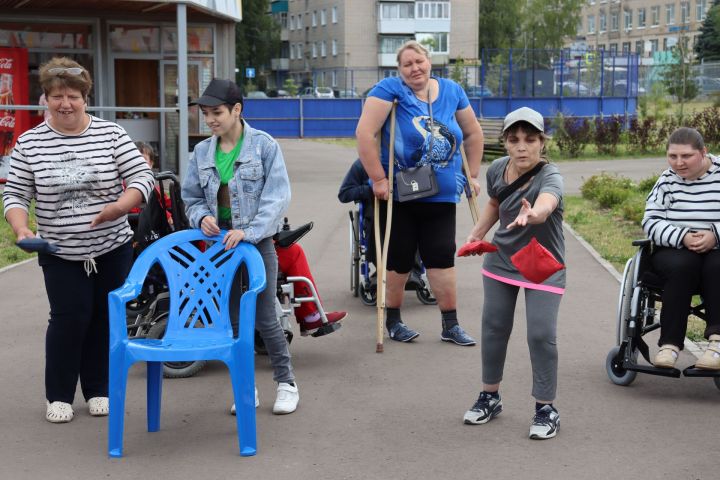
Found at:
(458, 336)
(401, 333)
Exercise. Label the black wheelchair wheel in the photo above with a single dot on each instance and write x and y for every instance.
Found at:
(425, 296)
(618, 375)
(355, 256)
(173, 369)
(368, 296)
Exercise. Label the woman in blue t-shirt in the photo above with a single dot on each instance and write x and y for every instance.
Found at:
(434, 118)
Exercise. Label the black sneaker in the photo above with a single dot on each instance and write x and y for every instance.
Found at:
(546, 423)
(484, 409)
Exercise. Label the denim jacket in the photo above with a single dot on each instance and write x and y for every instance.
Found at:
(259, 189)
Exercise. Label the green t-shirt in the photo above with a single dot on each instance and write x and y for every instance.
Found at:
(225, 163)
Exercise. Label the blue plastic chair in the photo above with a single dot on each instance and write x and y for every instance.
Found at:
(198, 327)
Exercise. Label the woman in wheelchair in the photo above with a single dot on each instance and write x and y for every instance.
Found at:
(682, 217)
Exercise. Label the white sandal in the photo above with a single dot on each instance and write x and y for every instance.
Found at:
(99, 406)
(59, 412)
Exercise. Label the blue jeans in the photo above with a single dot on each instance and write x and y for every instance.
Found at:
(266, 321)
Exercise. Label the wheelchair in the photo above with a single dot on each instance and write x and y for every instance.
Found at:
(363, 281)
(638, 313)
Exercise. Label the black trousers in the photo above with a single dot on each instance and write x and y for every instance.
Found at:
(686, 273)
(77, 339)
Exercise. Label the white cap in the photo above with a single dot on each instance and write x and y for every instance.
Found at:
(524, 114)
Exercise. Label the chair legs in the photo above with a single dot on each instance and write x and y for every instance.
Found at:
(154, 395)
(244, 393)
(116, 419)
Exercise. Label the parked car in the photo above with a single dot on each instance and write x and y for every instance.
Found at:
(347, 94)
(621, 87)
(256, 94)
(317, 92)
(475, 91)
(278, 93)
(574, 89)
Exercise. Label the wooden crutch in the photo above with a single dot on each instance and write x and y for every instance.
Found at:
(381, 248)
(472, 199)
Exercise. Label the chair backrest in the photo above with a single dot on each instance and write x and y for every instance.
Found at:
(199, 282)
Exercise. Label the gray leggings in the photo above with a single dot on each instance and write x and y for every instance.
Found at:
(497, 323)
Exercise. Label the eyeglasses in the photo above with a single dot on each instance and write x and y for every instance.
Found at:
(62, 70)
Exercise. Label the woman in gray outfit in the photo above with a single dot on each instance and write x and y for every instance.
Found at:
(532, 210)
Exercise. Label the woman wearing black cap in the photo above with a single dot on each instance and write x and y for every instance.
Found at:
(531, 208)
(237, 181)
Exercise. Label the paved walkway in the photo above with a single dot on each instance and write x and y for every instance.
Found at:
(364, 415)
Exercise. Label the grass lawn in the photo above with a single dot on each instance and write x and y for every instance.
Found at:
(612, 237)
(9, 253)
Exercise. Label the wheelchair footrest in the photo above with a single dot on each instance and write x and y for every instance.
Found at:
(699, 372)
(326, 329)
(663, 372)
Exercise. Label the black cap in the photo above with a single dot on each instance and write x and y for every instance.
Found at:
(219, 92)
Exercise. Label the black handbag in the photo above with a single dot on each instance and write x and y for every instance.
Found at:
(418, 182)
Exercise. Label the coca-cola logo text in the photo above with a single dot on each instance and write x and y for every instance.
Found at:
(7, 122)
(6, 63)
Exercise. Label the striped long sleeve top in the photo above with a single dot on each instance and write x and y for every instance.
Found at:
(72, 178)
(675, 206)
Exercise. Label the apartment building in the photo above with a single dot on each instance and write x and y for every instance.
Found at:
(645, 27)
(350, 44)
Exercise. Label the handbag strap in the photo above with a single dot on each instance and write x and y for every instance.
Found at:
(519, 182)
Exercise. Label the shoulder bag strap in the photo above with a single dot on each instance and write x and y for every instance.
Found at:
(519, 182)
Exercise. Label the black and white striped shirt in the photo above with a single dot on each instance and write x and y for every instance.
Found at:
(676, 206)
(72, 178)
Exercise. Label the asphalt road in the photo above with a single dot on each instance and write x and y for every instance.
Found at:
(364, 415)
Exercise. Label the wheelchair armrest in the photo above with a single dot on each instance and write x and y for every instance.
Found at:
(642, 243)
(285, 238)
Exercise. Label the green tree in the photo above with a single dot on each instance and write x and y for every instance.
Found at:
(290, 86)
(498, 23)
(547, 23)
(457, 73)
(707, 47)
(678, 77)
(257, 39)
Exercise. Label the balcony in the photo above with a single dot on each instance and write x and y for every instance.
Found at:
(431, 25)
(387, 60)
(280, 64)
(396, 25)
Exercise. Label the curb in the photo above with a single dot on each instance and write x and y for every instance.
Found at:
(10, 267)
(690, 346)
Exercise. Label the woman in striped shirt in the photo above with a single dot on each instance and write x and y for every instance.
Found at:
(74, 166)
(682, 216)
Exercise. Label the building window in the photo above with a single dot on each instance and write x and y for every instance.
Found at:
(334, 14)
(283, 19)
(613, 49)
(641, 18)
(665, 44)
(322, 79)
(653, 46)
(397, 11)
(334, 47)
(655, 15)
(626, 48)
(627, 19)
(591, 24)
(602, 22)
(323, 17)
(314, 50)
(323, 49)
(314, 18)
(333, 76)
(292, 22)
(292, 51)
(670, 14)
(614, 24)
(685, 12)
(639, 47)
(432, 10)
(700, 10)
(435, 42)
(300, 21)
(392, 44)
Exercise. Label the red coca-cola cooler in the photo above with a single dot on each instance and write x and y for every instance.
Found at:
(13, 91)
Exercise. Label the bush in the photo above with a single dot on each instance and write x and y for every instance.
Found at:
(643, 134)
(646, 184)
(707, 122)
(633, 209)
(572, 135)
(607, 133)
(596, 186)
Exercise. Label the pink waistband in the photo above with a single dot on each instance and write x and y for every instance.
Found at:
(519, 283)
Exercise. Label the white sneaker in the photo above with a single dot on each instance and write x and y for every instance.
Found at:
(287, 399)
(59, 412)
(257, 403)
(99, 406)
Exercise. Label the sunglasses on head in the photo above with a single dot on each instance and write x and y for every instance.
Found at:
(63, 70)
